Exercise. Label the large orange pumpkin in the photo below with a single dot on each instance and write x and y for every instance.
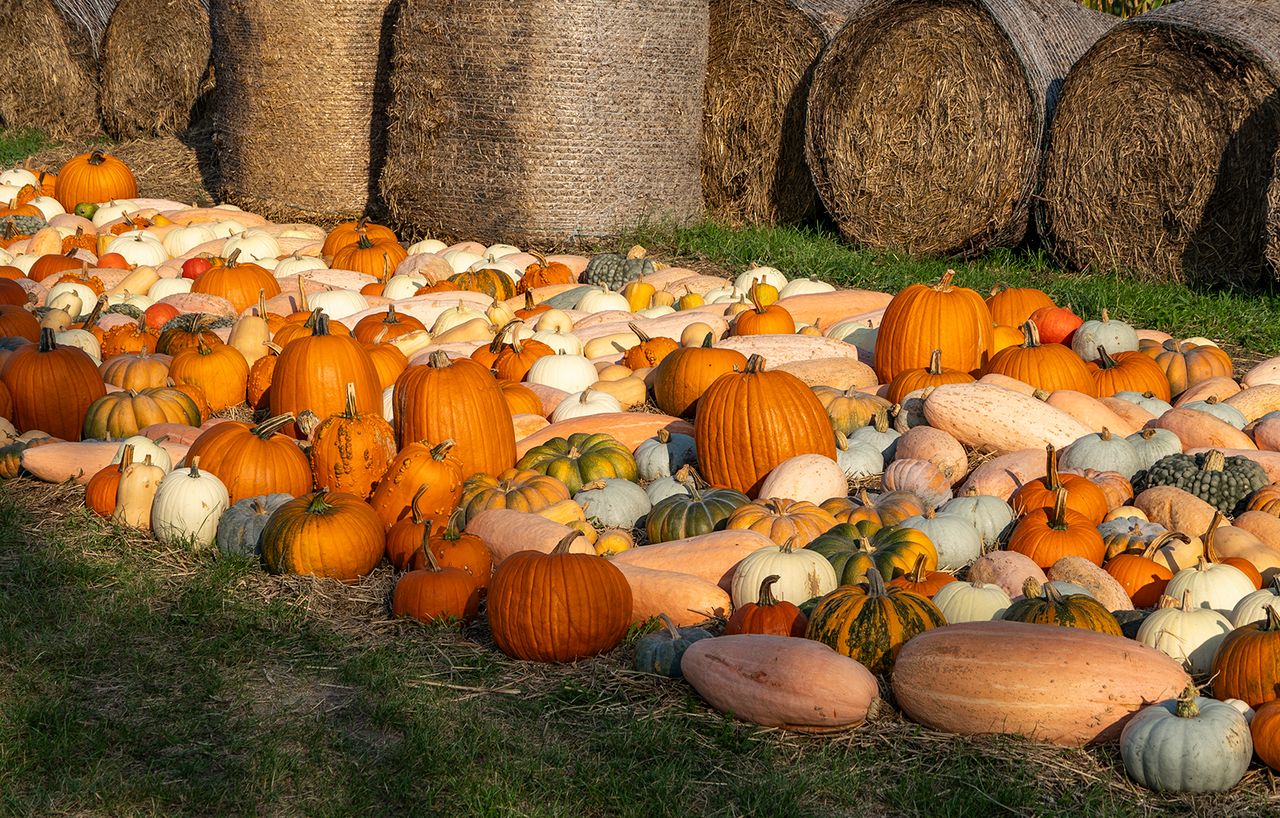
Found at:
(1129, 372)
(308, 371)
(94, 177)
(351, 451)
(419, 465)
(1247, 664)
(17, 322)
(370, 256)
(219, 370)
(558, 607)
(243, 284)
(922, 318)
(1046, 535)
(348, 233)
(380, 328)
(52, 387)
(457, 400)
(253, 460)
(749, 422)
(323, 534)
(1012, 306)
(1083, 495)
(436, 592)
(1186, 365)
(685, 374)
(1045, 366)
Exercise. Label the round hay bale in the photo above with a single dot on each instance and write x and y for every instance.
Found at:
(759, 67)
(1162, 151)
(155, 67)
(1273, 228)
(48, 70)
(545, 122)
(927, 117)
(299, 122)
(88, 21)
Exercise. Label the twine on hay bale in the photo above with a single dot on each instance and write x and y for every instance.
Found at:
(545, 122)
(88, 20)
(155, 67)
(299, 105)
(759, 69)
(927, 117)
(48, 70)
(1163, 149)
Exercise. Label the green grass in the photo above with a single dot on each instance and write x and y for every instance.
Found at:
(16, 145)
(1250, 321)
(140, 681)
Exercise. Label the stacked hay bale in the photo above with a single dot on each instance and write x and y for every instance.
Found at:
(927, 118)
(547, 121)
(48, 69)
(88, 21)
(1273, 229)
(1164, 146)
(758, 72)
(298, 106)
(155, 67)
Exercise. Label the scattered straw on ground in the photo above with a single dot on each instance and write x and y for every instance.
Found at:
(49, 73)
(1163, 146)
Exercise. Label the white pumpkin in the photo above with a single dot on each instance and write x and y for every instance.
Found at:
(497, 251)
(1113, 336)
(859, 332)
(562, 342)
(584, 403)
(139, 249)
(1213, 585)
(461, 260)
(723, 295)
(24, 261)
(802, 575)
(568, 373)
(1188, 744)
(602, 301)
(225, 229)
(1102, 451)
(411, 343)
(81, 339)
(389, 404)
(431, 246)
(513, 272)
(664, 454)
(108, 212)
(85, 295)
(804, 286)
(68, 301)
(19, 178)
(1253, 607)
(455, 317)
(253, 245)
(188, 505)
(956, 540)
(48, 206)
(143, 447)
(554, 321)
(169, 286)
(1186, 633)
(858, 460)
(295, 264)
(766, 275)
(655, 312)
(399, 287)
(971, 602)
(182, 240)
(810, 477)
(338, 304)
(990, 516)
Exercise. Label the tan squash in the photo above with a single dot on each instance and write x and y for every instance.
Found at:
(937, 447)
(1002, 476)
(1219, 388)
(1202, 430)
(686, 599)
(631, 428)
(1091, 412)
(780, 681)
(1100, 585)
(1005, 382)
(991, 418)
(526, 425)
(1256, 401)
(783, 349)
(712, 557)
(834, 306)
(59, 462)
(1128, 410)
(838, 373)
(507, 532)
(1254, 536)
(1066, 686)
(629, 391)
(1175, 509)
(135, 494)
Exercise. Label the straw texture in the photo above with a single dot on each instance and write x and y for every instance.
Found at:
(546, 121)
(155, 67)
(927, 118)
(758, 73)
(300, 100)
(87, 19)
(1165, 143)
(1273, 223)
(48, 72)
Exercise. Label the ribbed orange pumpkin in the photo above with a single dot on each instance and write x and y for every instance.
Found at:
(684, 375)
(219, 370)
(1046, 535)
(1247, 664)
(257, 392)
(514, 360)
(1012, 306)
(454, 548)
(52, 264)
(1044, 366)
(12, 294)
(253, 460)
(100, 493)
(388, 362)
(783, 521)
(1083, 497)
(18, 323)
(375, 257)
(923, 318)
(379, 329)
(920, 580)
(558, 607)
(417, 465)
(52, 387)
(780, 618)
(323, 534)
(239, 283)
(1265, 729)
(520, 399)
(408, 534)
(909, 380)
(93, 177)
(1186, 365)
(543, 274)
(351, 451)
(184, 332)
(1129, 372)
(1141, 577)
(348, 233)
(749, 422)
(436, 592)
(6, 401)
(308, 369)
(763, 319)
(457, 400)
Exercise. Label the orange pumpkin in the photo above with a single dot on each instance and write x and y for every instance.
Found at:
(219, 370)
(454, 548)
(419, 464)
(1186, 365)
(514, 360)
(323, 534)
(1265, 729)
(1082, 496)
(93, 177)
(253, 460)
(379, 329)
(52, 386)
(348, 233)
(544, 274)
(100, 493)
(1046, 535)
(1045, 366)
(649, 352)
(409, 534)
(923, 318)
(762, 319)
(909, 380)
(241, 284)
(388, 362)
(920, 580)
(768, 615)
(1012, 306)
(1129, 372)
(351, 451)
(371, 257)
(308, 368)
(128, 339)
(436, 592)
(17, 322)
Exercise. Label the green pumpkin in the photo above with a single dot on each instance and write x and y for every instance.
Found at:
(11, 460)
(661, 652)
(580, 459)
(612, 271)
(871, 622)
(1043, 605)
(849, 550)
(701, 511)
(493, 283)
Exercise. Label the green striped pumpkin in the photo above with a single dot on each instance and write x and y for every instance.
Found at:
(852, 548)
(1043, 605)
(580, 459)
(871, 623)
(693, 514)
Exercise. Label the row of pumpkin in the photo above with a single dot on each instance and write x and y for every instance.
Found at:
(487, 388)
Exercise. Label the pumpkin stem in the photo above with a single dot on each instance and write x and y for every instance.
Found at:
(566, 541)
(755, 364)
(944, 283)
(663, 436)
(1058, 518)
(881, 420)
(195, 467)
(766, 591)
(321, 326)
(318, 503)
(1214, 461)
(1187, 707)
(1167, 601)
(1032, 589)
(1185, 604)
(126, 459)
(415, 513)
(97, 157)
(639, 333)
(432, 564)
(48, 343)
(918, 574)
(935, 363)
(875, 584)
(788, 546)
(1052, 479)
(303, 304)
(670, 626)
(453, 531)
(1273, 620)
(230, 261)
(440, 450)
(270, 426)
(1030, 335)
(438, 359)
(1159, 542)
(95, 313)
(706, 341)
(1210, 553)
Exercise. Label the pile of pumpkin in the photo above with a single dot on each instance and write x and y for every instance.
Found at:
(484, 419)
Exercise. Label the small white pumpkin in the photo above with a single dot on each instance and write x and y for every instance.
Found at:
(1224, 412)
(139, 249)
(990, 516)
(1151, 445)
(109, 211)
(1102, 451)
(858, 460)
(1213, 585)
(461, 260)
(568, 373)
(48, 206)
(955, 538)
(971, 602)
(400, 287)
(144, 447)
(182, 240)
(456, 317)
(295, 265)
(1113, 336)
(225, 229)
(602, 301)
(765, 275)
(19, 178)
(1188, 744)
(81, 339)
(1146, 401)
(664, 454)
(136, 493)
(813, 478)
(432, 246)
(804, 286)
(1253, 607)
(554, 321)
(585, 403)
(1186, 633)
(613, 502)
(338, 303)
(169, 286)
(802, 575)
(188, 505)
(562, 342)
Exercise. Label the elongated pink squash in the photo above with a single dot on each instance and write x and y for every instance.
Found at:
(780, 681)
(990, 418)
(507, 532)
(687, 599)
(631, 428)
(1002, 476)
(1256, 401)
(840, 373)
(1267, 371)
(1066, 686)
(1200, 429)
(1264, 553)
(784, 349)
(712, 557)
(1091, 412)
(833, 307)
(58, 462)
(1219, 388)
(1128, 410)
(1005, 382)
(1266, 434)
